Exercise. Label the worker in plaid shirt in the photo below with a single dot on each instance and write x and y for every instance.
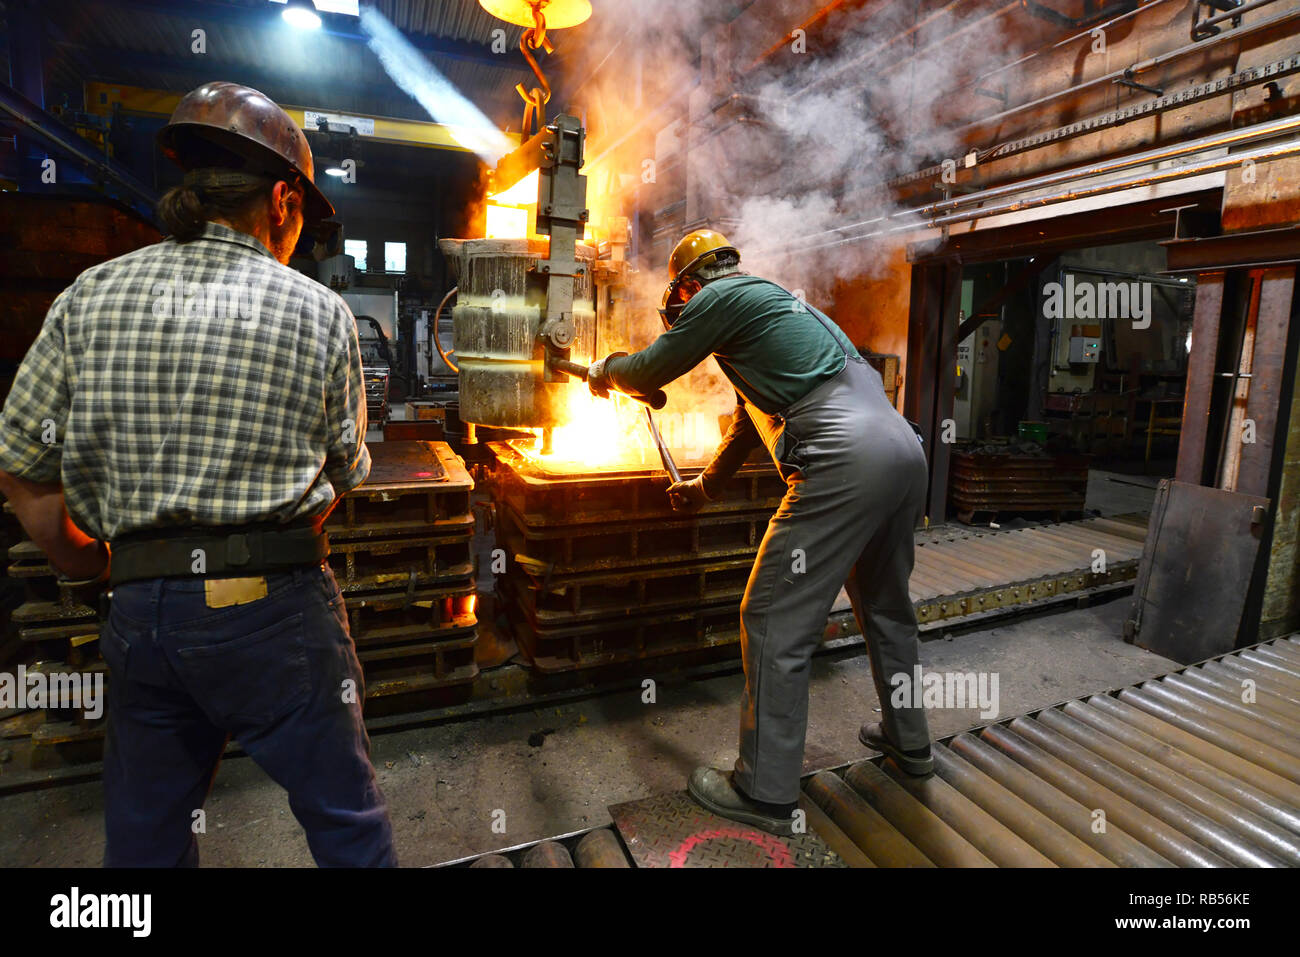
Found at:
(199, 405)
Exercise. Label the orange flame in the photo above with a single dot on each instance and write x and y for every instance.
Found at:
(612, 434)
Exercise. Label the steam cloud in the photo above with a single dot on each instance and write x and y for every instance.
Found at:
(786, 156)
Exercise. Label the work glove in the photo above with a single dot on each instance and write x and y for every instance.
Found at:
(598, 379)
(688, 496)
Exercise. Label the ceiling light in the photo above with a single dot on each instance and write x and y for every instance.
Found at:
(559, 13)
(301, 14)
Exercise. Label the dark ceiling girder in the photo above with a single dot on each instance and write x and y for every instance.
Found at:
(321, 94)
(1093, 16)
(1152, 219)
(1258, 248)
(336, 25)
(22, 114)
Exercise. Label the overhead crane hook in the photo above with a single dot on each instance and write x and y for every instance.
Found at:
(535, 100)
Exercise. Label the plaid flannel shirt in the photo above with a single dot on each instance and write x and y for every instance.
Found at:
(190, 384)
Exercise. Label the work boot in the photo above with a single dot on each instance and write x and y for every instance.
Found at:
(716, 791)
(917, 762)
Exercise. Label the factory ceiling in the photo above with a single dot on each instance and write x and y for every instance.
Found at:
(148, 43)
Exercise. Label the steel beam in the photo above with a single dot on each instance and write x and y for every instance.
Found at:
(32, 120)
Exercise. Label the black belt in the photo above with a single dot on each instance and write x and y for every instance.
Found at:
(215, 552)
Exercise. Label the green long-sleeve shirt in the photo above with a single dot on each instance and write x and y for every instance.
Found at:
(774, 348)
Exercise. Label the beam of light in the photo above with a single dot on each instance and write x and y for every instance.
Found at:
(420, 80)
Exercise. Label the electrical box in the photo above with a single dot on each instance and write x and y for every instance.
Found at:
(1085, 349)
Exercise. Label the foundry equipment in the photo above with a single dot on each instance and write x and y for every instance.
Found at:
(526, 314)
(524, 306)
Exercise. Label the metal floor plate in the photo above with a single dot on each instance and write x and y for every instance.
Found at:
(671, 830)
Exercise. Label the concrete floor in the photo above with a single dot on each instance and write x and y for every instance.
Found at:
(556, 770)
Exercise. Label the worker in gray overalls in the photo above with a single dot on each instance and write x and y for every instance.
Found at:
(856, 478)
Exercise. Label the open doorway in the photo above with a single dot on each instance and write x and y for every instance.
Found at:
(1071, 371)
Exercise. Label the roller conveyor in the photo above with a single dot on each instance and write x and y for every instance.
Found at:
(1196, 768)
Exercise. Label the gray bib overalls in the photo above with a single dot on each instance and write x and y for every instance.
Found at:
(856, 482)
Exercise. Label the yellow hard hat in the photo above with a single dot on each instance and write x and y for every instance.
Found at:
(700, 248)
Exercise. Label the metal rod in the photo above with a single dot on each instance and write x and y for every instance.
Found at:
(1190, 719)
(1242, 670)
(1250, 727)
(1190, 781)
(1231, 687)
(1233, 14)
(1248, 134)
(1133, 713)
(832, 836)
(985, 833)
(1232, 703)
(1285, 649)
(1120, 812)
(1038, 829)
(1278, 660)
(937, 841)
(547, 854)
(1147, 178)
(664, 455)
(877, 838)
(1263, 666)
(600, 848)
(1116, 844)
(1187, 807)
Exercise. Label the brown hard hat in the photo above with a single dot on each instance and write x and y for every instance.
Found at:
(249, 124)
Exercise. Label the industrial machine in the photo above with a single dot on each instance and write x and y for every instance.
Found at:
(975, 391)
(376, 367)
(526, 315)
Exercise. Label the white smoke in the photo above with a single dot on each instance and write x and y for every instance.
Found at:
(419, 79)
(786, 155)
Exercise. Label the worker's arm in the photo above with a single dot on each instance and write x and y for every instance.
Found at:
(742, 438)
(347, 460)
(698, 333)
(44, 516)
(32, 428)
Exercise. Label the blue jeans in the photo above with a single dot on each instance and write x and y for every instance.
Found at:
(279, 674)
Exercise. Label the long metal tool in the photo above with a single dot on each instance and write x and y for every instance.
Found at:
(656, 400)
(664, 454)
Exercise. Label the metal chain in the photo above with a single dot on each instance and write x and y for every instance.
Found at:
(535, 100)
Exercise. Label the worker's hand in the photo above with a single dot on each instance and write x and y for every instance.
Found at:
(87, 590)
(688, 496)
(598, 379)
